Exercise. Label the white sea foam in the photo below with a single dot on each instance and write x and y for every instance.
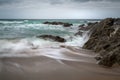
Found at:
(23, 36)
(78, 40)
(11, 22)
(23, 47)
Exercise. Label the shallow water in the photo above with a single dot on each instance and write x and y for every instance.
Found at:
(54, 63)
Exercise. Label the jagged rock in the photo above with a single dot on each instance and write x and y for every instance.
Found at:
(105, 40)
(67, 24)
(79, 33)
(81, 25)
(111, 58)
(83, 28)
(55, 38)
(86, 28)
(59, 23)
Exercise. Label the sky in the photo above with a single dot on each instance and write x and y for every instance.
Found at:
(59, 9)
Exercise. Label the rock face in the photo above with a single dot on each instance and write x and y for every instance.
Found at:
(55, 38)
(59, 23)
(105, 40)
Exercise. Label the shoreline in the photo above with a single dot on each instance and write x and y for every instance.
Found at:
(46, 59)
(75, 64)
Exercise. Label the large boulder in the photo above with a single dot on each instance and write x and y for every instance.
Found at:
(105, 40)
(55, 38)
(67, 24)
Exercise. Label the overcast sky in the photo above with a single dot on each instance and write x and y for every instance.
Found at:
(59, 9)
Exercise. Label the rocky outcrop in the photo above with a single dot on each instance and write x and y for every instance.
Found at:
(88, 27)
(79, 32)
(59, 23)
(83, 28)
(55, 38)
(105, 40)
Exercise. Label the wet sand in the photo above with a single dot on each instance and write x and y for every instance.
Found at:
(66, 63)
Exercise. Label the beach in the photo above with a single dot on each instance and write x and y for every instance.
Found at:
(39, 50)
(70, 63)
(59, 39)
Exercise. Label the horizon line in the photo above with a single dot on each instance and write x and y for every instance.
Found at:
(45, 18)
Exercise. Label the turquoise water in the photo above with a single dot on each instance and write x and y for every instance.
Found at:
(29, 28)
(22, 33)
(19, 36)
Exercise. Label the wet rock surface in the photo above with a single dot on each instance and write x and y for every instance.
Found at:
(55, 38)
(84, 28)
(79, 33)
(105, 40)
(59, 23)
(88, 27)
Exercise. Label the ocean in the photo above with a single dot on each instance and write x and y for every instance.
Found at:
(12, 28)
(18, 34)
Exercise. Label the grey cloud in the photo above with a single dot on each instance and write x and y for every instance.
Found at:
(80, 0)
(54, 8)
(95, 0)
(53, 2)
(4, 2)
(56, 1)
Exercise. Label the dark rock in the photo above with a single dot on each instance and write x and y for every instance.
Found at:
(59, 23)
(105, 40)
(83, 28)
(98, 57)
(55, 38)
(91, 24)
(111, 58)
(86, 28)
(117, 21)
(108, 60)
(67, 24)
(79, 33)
(81, 25)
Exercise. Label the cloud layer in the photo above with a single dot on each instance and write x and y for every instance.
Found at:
(59, 8)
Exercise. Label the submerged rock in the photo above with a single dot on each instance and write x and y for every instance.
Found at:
(105, 40)
(55, 38)
(59, 23)
(67, 24)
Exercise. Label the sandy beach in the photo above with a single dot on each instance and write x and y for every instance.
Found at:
(66, 63)
(59, 39)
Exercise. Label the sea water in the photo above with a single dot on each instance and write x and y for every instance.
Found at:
(21, 34)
